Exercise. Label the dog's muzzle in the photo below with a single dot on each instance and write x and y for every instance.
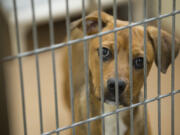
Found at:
(110, 95)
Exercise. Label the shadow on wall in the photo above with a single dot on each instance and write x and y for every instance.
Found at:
(3, 104)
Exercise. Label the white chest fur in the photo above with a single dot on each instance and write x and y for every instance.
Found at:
(111, 121)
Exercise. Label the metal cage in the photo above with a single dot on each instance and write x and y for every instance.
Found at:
(36, 51)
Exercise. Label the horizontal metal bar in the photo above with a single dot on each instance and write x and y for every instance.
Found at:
(55, 46)
(114, 112)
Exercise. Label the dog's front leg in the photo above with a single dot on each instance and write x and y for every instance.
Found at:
(81, 114)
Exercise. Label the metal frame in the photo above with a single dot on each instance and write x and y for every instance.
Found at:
(69, 43)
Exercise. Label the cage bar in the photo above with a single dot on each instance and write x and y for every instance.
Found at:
(35, 43)
(130, 67)
(51, 29)
(20, 67)
(70, 62)
(159, 68)
(173, 68)
(116, 65)
(86, 65)
(145, 68)
(101, 65)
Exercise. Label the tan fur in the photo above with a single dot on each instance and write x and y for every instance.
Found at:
(109, 69)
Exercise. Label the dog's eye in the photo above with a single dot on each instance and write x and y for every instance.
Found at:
(138, 63)
(106, 53)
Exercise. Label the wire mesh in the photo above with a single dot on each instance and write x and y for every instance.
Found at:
(84, 39)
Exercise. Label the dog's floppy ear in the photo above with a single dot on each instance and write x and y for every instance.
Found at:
(166, 46)
(92, 22)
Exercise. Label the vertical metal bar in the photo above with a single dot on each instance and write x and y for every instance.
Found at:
(101, 64)
(35, 42)
(159, 69)
(70, 62)
(86, 65)
(130, 66)
(51, 28)
(116, 65)
(20, 67)
(145, 69)
(173, 68)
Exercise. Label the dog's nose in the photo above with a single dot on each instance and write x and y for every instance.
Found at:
(111, 86)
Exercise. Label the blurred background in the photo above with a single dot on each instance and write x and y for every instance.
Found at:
(11, 120)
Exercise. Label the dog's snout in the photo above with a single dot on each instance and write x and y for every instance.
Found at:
(111, 86)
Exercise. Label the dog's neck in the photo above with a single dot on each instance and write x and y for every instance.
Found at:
(112, 121)
(123, 117)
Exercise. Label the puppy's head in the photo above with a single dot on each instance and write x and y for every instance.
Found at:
(108, 57)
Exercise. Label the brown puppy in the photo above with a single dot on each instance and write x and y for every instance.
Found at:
(109, 73)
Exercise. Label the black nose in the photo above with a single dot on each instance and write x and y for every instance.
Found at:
(111, 86)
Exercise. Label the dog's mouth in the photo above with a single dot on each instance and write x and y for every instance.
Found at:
(110, 99)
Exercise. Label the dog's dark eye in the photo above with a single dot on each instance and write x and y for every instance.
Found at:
(138, 63)
(106, 53)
